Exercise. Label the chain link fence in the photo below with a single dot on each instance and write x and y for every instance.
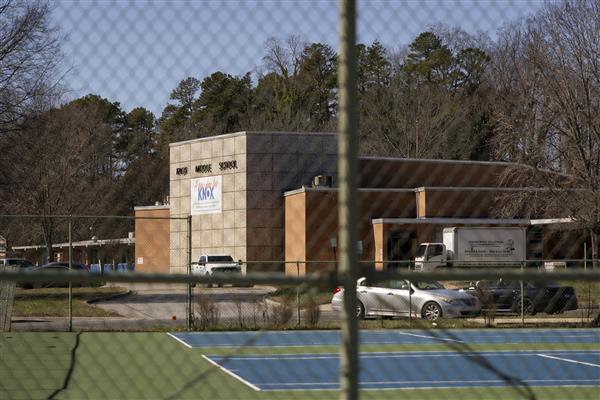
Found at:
(288, 200)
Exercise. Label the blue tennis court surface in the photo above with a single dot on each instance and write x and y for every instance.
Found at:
(417, 370)
(380, 337)
(458, 367)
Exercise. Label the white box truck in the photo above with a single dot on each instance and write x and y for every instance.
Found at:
(474, 247)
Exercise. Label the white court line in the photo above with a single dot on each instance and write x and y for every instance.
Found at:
(429, 337)
(569, 360)
(531, 337)
(418, 354)
(416, 382)
(330, 386)
(180, 341)
(336, 356)
(388, 341)
(233, 374)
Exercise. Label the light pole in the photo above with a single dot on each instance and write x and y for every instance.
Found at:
(333, 245)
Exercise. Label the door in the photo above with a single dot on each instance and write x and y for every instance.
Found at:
(392, 297)
(504, 294)
(400, 249)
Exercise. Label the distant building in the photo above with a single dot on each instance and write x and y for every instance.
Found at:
(271, 197)
(152, 239)
(92, 251)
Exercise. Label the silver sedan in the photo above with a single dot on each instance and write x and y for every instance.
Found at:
(428, 300)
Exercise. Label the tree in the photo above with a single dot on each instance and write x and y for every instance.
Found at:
(223, 103)
(374, 67)
(547, 73)
(115, 122)
(139, 137)
(317, 80)
(470, 68)
(174, 125)
(176, 122)
(429, 60)
(185, 94)
(59, 169)
(297, 91)
(283, 59)
(433, 103)
(29, 59)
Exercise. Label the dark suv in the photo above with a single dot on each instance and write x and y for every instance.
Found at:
(17, 262)
(505, 296)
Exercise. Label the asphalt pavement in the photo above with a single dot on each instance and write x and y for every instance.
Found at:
(160, 306)
(152, 306)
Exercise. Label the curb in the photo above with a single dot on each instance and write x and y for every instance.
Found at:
(111, 297)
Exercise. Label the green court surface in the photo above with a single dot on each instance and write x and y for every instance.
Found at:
(155, 365)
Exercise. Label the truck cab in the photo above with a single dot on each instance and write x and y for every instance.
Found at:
(218, 263)
(431, 256)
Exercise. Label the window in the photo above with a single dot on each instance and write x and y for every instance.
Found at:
(435, 250)
(429, 285)
(220, 259)
(400, 285)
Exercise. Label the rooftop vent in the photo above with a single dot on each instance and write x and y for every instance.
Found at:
(322, 181)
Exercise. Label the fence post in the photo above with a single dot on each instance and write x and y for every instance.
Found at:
(522, 300)
(298, 293)
(70, 268)
(347, 199)
(410, 307)
(584, 256)
(190, 310)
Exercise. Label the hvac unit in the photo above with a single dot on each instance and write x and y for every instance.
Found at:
(322, 181)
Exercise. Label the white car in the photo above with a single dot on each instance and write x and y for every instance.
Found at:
(428, 300)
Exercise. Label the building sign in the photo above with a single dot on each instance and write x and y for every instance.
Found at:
(202, 168)
(223, 166)
(231, 164)
(206, 195)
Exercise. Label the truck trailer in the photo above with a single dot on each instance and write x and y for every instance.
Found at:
(474, 247)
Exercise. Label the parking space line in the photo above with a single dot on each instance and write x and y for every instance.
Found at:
(569, 360)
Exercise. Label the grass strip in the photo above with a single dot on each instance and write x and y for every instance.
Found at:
(54, 302)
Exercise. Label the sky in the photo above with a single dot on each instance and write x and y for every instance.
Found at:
(136, 52)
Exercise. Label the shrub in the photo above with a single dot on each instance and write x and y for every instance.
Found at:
(207, 315)
(281, 313)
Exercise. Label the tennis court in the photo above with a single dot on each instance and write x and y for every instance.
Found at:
(457, 366)
(408, 364)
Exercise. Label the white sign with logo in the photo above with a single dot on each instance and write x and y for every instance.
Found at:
(206, 195)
